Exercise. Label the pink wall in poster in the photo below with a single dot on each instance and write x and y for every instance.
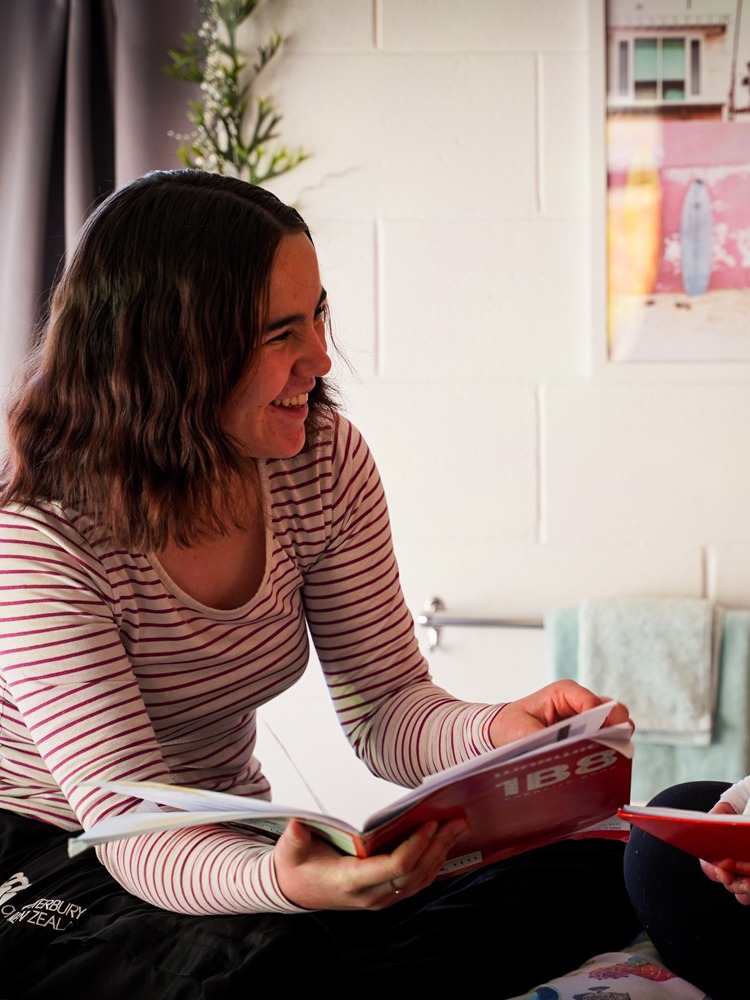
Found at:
(718, 153)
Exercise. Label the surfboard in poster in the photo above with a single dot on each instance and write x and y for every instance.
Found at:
(696, 238)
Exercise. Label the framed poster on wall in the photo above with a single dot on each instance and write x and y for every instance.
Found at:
(673, 257)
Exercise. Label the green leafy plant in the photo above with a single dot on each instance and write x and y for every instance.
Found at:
(233, 128)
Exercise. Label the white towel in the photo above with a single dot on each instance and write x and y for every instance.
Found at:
(660, 656)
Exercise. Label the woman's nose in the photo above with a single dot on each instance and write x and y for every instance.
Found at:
(314, 360)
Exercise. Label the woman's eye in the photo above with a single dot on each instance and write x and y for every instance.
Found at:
(278, 337)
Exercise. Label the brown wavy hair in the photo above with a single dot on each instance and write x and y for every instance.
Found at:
(155, 318)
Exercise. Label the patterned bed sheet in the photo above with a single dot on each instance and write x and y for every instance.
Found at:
(635, 974)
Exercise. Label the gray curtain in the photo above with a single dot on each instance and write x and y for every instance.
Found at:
(87, 107)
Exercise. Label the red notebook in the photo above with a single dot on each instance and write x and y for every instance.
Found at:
(713, 837)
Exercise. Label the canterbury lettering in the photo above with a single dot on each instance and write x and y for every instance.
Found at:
(54, 913)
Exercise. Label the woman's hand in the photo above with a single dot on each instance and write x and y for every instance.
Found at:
(315, 875)
(733, 875)
(556, 701)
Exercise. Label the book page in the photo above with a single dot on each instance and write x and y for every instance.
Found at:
(197, 806)
(584, 724)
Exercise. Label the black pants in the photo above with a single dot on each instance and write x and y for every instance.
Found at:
(698, 928)
(67, 928)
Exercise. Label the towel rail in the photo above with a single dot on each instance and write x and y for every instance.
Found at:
(434, 617)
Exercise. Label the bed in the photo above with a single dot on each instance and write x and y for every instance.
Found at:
(635, 974)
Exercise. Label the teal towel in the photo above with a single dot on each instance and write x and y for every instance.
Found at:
(658, 655)
(657, 765)
(561, 626)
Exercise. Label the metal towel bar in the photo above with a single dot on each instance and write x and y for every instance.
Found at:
(434, 618)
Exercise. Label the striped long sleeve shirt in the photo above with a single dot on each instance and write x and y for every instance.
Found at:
(109, 671)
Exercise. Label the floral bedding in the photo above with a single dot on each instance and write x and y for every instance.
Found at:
(635, 974)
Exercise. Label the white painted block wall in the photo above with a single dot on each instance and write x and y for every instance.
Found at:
(450, 196)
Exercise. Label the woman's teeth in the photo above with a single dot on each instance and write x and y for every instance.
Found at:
(292, 400)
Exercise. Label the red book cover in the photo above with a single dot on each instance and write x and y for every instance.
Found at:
(526, 802)
(713, 837)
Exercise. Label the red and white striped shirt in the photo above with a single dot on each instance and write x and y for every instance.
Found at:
(109, 671)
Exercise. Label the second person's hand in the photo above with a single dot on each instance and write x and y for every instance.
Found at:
(733, 875)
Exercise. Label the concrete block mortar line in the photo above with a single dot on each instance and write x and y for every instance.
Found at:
(378, 257)
(539, 133)
(541, 456)
(377, 24)
(708, 572)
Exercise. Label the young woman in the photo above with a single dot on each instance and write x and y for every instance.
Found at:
(182, 502)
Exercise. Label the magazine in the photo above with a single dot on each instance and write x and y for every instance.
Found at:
(567, 780)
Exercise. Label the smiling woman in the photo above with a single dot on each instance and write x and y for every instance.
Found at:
(182, 510)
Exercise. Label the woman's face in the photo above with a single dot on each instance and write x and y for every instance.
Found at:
(267, 410)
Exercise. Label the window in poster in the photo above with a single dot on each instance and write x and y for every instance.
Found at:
(677, 148)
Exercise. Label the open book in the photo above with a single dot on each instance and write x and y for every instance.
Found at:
(567, 780)
(713, 837)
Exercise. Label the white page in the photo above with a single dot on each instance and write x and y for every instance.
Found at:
(200, 806)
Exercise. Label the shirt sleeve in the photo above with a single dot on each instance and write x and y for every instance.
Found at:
(400, 723)
(738, 795)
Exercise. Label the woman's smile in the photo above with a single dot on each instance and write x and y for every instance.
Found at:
(292, 401)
